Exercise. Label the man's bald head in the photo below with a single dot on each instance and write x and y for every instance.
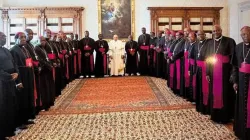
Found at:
(245, 34)
(192, 37)
(201, 35)
(86, 34)
(60, 35)
(187, 30)
(217, 31)
(29, 34)
(130, 37)
(143, 30)
(42, 41)
(2, 39)
(47, 33)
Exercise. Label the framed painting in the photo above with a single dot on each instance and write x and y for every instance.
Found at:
(116, 17)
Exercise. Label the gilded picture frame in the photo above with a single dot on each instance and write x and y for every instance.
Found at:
(116, 17)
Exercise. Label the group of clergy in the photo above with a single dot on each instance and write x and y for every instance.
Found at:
(211, 73)
(31, 77)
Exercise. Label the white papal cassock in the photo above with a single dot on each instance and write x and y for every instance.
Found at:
(116, 50)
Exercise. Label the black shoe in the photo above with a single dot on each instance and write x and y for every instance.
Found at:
(23, 127)
(30, 122)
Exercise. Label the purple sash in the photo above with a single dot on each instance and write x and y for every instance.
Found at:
(64, 52)
(186, 69)
(87, 48)
(145, 48)
(171, 74)
(192, 62)
(218, 80)
(205, 84)
(194, 86)
(178, 73)
(51, 56)
(245, 68)
(79, 53)
(169, 53)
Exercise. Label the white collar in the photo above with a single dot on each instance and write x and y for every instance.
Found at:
(247, 44)
(202, 41)
(193, 43)
(218, 38)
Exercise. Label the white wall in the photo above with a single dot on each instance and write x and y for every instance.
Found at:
(1, 21)
(234, 19)
(142, 15)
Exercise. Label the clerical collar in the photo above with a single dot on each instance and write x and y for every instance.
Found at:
(246, 44)
(202, 41)
(218, 39)
(193, 43)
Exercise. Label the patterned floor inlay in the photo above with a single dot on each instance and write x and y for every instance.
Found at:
(117, 94)
(184, 124)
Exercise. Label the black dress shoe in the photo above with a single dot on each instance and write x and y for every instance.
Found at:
(23, 127)
(30, 122)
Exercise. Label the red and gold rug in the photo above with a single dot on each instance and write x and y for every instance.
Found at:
(117, 94)
(122, 108)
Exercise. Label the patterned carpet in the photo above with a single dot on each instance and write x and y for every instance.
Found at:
(122, 108)
(117, 94)
(171, 125)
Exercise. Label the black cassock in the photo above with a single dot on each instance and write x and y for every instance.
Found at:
(59, 80)
(25, 96)
(187, 57)
(189, 65)
(165, 67)
(63, 48)
(171, 64)
(87, 45)
(152, 56)
(159, 58)
(7, 93)
(47, 86)
(241, 76)
(178, 66)
(51, 49)
(101, 63)
(132, 60)
(35, 58)
(221, 90)
(76, 57)
(71, 60)
(144, 46)
(201, 93)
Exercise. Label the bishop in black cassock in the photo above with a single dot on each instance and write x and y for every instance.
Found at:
(131, 48)
(218, 74)
(240, 78)
(25, 97)
(179, 47)
(101, 61)
(9, 78)
(144, 46)
(87, 46)
(201, 93)
(47, 86)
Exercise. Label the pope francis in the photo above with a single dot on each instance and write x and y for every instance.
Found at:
(116, 57)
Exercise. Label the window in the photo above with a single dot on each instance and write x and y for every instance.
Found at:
(67, 19)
